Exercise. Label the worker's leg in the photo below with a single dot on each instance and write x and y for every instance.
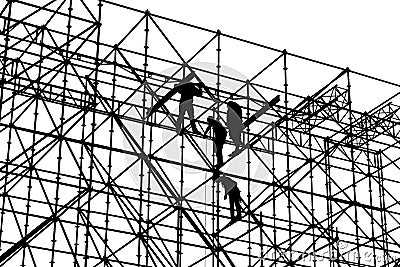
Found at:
(237, 202)
(189, 109)
(219, 144)
(235, 126)
(191, 118)
(184, 107)
(236, 137)
(231, 205)
(218, 153)
(179, 121)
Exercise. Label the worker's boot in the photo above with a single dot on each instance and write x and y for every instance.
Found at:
(239, 214)
(232, 216)
(194, 128)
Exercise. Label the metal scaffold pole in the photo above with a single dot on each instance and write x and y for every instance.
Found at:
(95, 170)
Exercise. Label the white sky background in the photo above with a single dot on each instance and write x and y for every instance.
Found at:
(360, 34)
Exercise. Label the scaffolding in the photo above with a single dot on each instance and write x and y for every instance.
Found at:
(87, 180)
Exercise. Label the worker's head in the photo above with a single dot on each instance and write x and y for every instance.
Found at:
(210, 118)
(235, 107)
(216, 174)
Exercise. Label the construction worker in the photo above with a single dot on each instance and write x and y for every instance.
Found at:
(235, 124)
(187, 90)
(233, 192)
(219, 138)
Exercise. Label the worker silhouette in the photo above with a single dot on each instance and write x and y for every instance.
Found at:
(218, 138)
(187, 90)
(233, 192)
(235, 124)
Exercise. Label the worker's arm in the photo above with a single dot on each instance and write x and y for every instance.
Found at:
(219, 180)
(207, 129)
(202, 85)
(162, 101)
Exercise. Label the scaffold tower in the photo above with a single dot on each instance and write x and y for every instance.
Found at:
(87, 179)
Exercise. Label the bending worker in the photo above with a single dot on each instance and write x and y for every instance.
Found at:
(233, 191)
(219, 138)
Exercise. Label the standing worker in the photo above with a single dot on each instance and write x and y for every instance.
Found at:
(235, 124)
(187, 90)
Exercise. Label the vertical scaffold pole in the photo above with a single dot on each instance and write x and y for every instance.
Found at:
(6, 32)
(352, 158)
(16, 87)
(179, 232)
(336, 248)
(31, 160)
(382, 204)
(61, 130)
(248, 173)
(179, 206)
(274, 188)
(309, 111)
(143, 137)
(109, 180)
(217, 111)
(366, 125)
(285, 68)
(145, 66)
(328, 186)
(81, 180)
(261, 242)
(218, 63)
(215, 229)
(92, 141)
